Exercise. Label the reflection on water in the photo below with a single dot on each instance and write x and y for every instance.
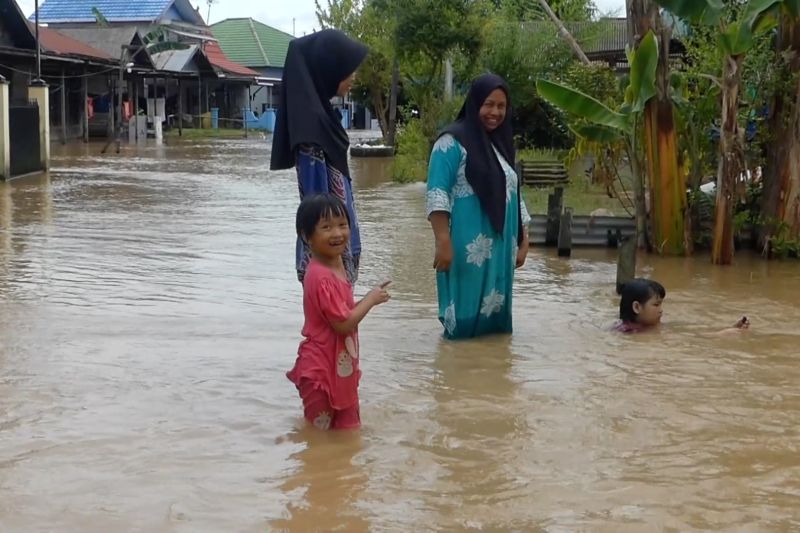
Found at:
(149, 310)
(326, 486)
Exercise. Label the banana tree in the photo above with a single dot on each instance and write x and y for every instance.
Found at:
(736, 39)
(781, 199)
(667, 181)
(601, 124)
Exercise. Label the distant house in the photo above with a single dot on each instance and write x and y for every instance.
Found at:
(67, 13)
(68, 67)
(259, 47)
(605, 40)
(184, 83)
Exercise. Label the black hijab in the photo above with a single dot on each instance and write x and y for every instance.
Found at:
(483, 170)
(315, 66)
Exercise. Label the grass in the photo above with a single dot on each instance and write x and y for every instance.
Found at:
(221, 133)
(583, 197)
(541, 154)
(580, 196)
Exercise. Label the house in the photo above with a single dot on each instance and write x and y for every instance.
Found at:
(68, 67)
(174, 69)
(259, 47)
(605, 40)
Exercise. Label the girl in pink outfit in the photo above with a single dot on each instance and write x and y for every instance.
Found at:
(326, 371)
(640, 308)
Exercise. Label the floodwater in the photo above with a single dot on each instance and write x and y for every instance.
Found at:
(149, 310)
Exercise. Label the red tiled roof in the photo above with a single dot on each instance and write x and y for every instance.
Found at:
(57, 43)
(218, 59)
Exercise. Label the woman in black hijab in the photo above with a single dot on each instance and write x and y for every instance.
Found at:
(477, 213)
(308, 131)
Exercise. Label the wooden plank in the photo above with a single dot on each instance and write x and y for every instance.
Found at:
(626, 262)
(554, 205)
(565, 234)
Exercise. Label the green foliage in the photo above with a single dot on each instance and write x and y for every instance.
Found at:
(413, 149)
(435, 28)
(583, 106)
(99, 18)
(641, 88)
(707, 12)
(782, 245)
(519, 54)
(598, 81)
(642, 85)
(740, 23)
(363, 21)
(568, 10)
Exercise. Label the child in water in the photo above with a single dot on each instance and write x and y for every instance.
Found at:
(326, 371)
(640, 307)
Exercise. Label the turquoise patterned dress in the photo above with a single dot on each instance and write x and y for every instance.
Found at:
(475, 294)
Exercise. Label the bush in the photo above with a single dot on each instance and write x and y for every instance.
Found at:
(416, 138)
(413, 150)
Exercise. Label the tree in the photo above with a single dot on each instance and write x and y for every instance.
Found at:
(781, 198)
(608, 126)
(363, 20)
(568, 10)
(665, 177)
(427, 33)
(738, 34)
(517, 53)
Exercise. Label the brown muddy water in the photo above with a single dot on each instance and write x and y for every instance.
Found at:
(149, 310)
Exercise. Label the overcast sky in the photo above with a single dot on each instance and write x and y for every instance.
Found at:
(288, 14)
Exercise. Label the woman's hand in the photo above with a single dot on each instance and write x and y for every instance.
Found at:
(444, 254)
(522, 253)
(742, 323)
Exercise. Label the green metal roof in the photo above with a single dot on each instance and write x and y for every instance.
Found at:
(251, 43)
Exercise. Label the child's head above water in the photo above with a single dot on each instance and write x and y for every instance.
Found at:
(324, 223)
(641, 302)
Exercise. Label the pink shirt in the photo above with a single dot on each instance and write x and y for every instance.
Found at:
(328, 359)
(624, 326)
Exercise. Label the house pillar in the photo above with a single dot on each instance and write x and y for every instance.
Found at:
(85, 97)
(39, 92)
(5, 138)
(64, 124)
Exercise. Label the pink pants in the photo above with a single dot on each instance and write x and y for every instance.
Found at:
(318, 411)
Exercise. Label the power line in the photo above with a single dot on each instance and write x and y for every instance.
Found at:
(58, 76)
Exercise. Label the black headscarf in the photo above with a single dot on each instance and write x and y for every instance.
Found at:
(315, 66)
(483, 170)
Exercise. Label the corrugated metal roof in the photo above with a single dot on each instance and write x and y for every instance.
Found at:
(54, 42)
(110, 40)
(219, 60)
(605, 35)
(113, 10)
(63, 11)
(252, 43)
(176, 60)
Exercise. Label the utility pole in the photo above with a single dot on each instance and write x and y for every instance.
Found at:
(38, 46)
(208, 17)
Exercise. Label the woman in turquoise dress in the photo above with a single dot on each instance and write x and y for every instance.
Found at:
(477, 213)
